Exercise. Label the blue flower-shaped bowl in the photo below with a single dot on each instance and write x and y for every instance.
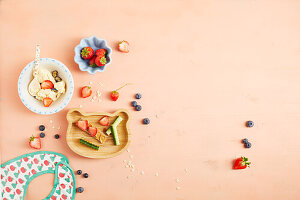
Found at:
(95, 43)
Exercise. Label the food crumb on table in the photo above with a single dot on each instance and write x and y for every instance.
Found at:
(142, 172)
(156, 174)
(51, 121)
(131, 156)
(80, 106)
(177, 180)
(177, 188)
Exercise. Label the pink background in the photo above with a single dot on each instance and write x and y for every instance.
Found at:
(203, 68)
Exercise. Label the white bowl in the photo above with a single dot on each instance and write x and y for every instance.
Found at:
(35, 105)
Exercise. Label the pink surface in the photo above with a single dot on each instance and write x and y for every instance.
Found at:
(203, 68)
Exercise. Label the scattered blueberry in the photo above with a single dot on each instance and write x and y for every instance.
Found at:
(42, 127)
(138, 108)
(79, 172)
(245, 140)
(146, 121)
(249, 123)
(85, 175)
(79, 189)
(134, 103)
(138, 96)
(42, 135)
(248, 145)
(56, 136)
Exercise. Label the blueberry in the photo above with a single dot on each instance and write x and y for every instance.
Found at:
(138, 108)
(79, 172)
(249, 123)
(42, 135)
(146, 121)
(85, 175)
(56, 136)
(138, 96)
(134, 103)
(245, 140)
(248, 145)
(42, 127)
(79, 189)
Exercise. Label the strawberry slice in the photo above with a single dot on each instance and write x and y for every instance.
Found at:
(35, 142)
(241, 163)
(104, 121)
(47, 101)
(123, 46)
(82, 124)
(86, 91)
(92, 131)
(47, 85)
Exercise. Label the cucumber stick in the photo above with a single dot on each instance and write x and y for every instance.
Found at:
(117, 121)
(115, 135)
(86, 143)
(113, 129)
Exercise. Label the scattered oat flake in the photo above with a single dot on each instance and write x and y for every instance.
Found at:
(142, 172)
(51, 121)
(58, 128)
(177, 188)
(91, 82)
(127, 166)
(124, 161)
(186, 170)
(127, 177)
(156, 174)
(80, 106)
(128, 150)
(131, 156)
(132, 170)
(53, 127)
(177, 180)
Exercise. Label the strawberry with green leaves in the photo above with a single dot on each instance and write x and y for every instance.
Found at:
(100, 52)
(241, 163)
(92, 61)
(100, 61)
(87, 53)
(114, 95)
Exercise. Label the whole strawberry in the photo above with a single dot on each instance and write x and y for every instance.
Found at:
(114, 95)
(87, 53)
(100, 61)
(100, 52)
(241, 163)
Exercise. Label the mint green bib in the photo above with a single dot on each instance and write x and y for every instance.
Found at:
(17, 173)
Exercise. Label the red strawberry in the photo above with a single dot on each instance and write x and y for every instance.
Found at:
(7, 189)
(61, 175)
(123, 46)
(63, 186)
(21, 181)
(87, 53)
(18, 191)
(9, 179)
(100, 52)
(241, 163)
(23, 170)
(36, 161)
(82, 124)
(25, 159)
(47, 85)
(86, 91)
(12, 168)
(53, 198)
(92, 62)
(47, 101)
(104, 121)
(92, 131)
(46, 162)
(100, 61)
(114, 95)
(35, 142)
(33, 172)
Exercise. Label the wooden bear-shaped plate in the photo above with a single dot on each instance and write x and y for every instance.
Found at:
(107, 149)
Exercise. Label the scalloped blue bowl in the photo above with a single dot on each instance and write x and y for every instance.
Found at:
(95, 43)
